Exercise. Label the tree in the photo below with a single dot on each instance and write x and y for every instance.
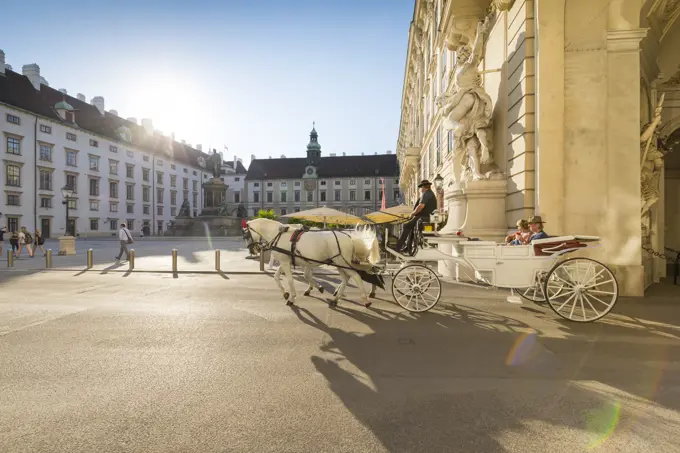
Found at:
(264, 214)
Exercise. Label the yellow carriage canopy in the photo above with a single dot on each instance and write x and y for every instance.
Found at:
(327, 215)
(396, 214)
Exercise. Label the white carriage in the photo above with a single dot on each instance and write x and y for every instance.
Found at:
(577, 289)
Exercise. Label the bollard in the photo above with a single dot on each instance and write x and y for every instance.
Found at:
(217, 260)
(261, 259)
(131, 260)
(174, 260)
(48, 259)
(89, 258)
(676, 269)
(10, 258)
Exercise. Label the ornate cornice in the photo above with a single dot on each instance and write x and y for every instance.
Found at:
(625, 40)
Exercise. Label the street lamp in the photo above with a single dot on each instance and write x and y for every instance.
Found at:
(67, 193)
(439, 186)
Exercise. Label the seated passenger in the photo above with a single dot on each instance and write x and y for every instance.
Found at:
(536, 226)
(521, 236)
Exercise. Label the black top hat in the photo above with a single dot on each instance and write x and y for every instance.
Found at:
(424, 183)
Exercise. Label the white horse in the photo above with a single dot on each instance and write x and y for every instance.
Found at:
(315, 248)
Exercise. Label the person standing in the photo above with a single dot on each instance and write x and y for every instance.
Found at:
(39, 241)
(425, 206)
(3, 230)
(25, 239)
(125, 238)
(14, 242)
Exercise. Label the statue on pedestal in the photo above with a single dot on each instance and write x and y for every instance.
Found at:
(223, 210)
(184, 209)
(468, 109)
(241, 212)
(651, 163)
(215, 164)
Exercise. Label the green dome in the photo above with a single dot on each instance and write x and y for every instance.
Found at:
(63, 105)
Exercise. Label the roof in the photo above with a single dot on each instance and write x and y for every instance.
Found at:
(16, 90)
(329, 167)
(240, 169)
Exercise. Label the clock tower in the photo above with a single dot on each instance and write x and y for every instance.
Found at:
(313, 148)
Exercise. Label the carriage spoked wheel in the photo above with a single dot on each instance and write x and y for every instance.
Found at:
(581, 289)
(535, 293)
(416, 288)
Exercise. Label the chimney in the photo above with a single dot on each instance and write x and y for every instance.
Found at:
(63, 90)
(235, 161)
(113, 112)
(80, 97)
(44, 81)
(98, 102)
(32, 71)
(270, 157)
(283, 156)
(389, 151)
(332, 154)
(344, 154)
(132, 119)
(2, 62)
(252, 157)
(376, 153)
(147, 124)
(362, 154)
(199, 147)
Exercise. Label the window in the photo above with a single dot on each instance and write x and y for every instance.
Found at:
(173, 181)
(145, 174)
(130, 209)
(146, 210)
(13, 145)
(185, 170)
(195, 201)
(297, 209)
(159, 210)
(159, 196)
(159, 162)
(367, 182)
(159, 177)
(237, 197)
(94, 143)
(322, 183)
(45, 180)
(113, 206)
(13, 175)
(45, 152)
(337, 183)
(255, 210)
(194, 172)
(12, 223)
(185, 184)
(269, 184)
(256, 184)
(323, 196)
(173, 211)
(71, 136)
(310, 196)
(237, 179)
(270, 197)
(130, 171)
(297, 196)
(13, 199)
(256, 197)
(145, 158)
(94, 163)
(94, 187)
(352, 211)
(145, 194)
(173, 167)
(352, 182)
(113, 149)
(195, 185)
(45, 202)
(284, 196)
(438, 154)
(72, 182)
(297, 183)
(186, 195)
(113, 167)
(337, 195)
(45, 129)
(113, 224)
(129, 191)
(129, 153)
(449, 148)
(173, 197)
(113, 189)
(367, 195)
(94, 205)
(94, 224)
(13, 119)
(284, 211)
(352, 195)
(396, 194)
(380, 194)
(72, 203)
(284, 184)
(71, 160)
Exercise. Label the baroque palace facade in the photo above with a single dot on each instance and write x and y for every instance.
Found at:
(119, 171)
(567, 109)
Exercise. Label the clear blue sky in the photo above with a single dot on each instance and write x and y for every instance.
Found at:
(248, 74)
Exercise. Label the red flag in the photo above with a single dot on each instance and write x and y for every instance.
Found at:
(383, 205)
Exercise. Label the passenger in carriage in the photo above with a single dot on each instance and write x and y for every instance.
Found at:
(521, 236)
(536, 226)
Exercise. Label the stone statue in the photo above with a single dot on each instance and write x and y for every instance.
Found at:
(223, 210)
(184, 209)
(651, 163)
(241, 212)
(468, 109)
(215, 164)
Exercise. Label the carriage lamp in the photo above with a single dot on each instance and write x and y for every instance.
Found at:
(438, 182)
(67, 193)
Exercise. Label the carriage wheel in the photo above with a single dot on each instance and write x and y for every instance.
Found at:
(581, 289)
(416, 288)
(535, 293)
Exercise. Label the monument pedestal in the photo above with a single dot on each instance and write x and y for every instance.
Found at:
(67, 245)
(477, 208)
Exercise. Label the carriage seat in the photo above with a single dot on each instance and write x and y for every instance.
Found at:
(550, 246)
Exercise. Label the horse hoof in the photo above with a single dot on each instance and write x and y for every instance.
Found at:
(372, 295)
(286, 295)
(290, 303)
(306, 293)
(335, 293)
(333, 303)
(321, 289)
(367, 304)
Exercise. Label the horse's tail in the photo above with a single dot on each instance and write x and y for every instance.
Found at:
(366, 246)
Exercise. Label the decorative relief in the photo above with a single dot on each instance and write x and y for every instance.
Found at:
(502, 5)
(651, 165)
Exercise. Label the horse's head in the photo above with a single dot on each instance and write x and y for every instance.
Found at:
(260, 231)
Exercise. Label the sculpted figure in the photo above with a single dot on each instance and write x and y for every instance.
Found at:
(184, 209)
(215, 164)
(468, 110)
(651, 163)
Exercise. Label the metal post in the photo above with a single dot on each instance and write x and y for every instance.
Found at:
(261, 259)
(676, 269)
(131, 260)
(48, 259)
(89, 258)
(10, 258)
(174, 260)
(217, 260)
(66, 229)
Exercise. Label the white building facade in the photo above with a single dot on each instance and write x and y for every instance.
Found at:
(119, 172)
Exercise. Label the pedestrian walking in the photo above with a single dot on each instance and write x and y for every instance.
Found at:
(39, 241)
(3, 230)
(25, 239)
(14, 241)
(125, 238)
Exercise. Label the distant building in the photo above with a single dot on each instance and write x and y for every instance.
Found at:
(120, 171)
(352, 184)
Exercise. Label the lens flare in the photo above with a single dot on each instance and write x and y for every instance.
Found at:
(207, 234)
(522, 350)
(602, 422)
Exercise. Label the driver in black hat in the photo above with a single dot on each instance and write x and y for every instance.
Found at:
(424, 207)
